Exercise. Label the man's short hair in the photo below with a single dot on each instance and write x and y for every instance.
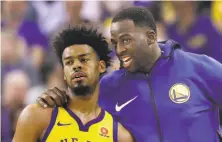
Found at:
(82, 35)
(140, 16)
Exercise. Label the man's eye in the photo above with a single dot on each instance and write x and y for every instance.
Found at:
(126, 40)
(69, 62)
(114, 45)
(84, 60)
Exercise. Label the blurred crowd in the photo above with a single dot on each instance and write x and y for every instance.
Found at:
(28, 62)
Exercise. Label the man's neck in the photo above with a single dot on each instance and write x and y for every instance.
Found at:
(86, 108)
(156, 56)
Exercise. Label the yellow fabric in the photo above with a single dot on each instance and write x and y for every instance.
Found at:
(216, 14)
(69, 130)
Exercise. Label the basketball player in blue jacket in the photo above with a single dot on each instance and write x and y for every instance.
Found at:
(162, 94)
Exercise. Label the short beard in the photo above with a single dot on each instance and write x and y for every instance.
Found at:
(82, 90)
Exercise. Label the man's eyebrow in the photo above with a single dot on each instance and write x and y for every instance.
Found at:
(68, 57)
(123, 35)
(81, 55)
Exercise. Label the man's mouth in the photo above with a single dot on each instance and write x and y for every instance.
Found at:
(126, 61)
(78, 76)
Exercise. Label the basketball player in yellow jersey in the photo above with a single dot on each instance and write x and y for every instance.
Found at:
(84, 56)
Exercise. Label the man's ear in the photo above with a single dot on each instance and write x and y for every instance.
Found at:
(102, 66)
(64, 76)
(151, 36)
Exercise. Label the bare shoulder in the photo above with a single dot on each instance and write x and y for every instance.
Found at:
(35, 113)
(124, 135)
(32, 123)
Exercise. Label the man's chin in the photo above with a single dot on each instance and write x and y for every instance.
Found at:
(81, 90)
(131, 69)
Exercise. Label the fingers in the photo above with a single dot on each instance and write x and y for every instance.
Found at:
(41, 102)
(62, 94)
(50, 102)
(52, 97)
(58, 96)
(55, 97)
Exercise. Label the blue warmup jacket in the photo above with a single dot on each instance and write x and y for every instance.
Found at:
(177, 101)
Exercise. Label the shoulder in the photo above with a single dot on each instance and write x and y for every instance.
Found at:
(207, 61)
(32, 123)
(35, 109)
(189, 57)
(202, 64)
(190, 63)
(198, 59)
(211, 67)
(113, 78)
(123, 134)
(35, 115)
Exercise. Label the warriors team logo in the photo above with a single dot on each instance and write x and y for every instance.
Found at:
(179, 93)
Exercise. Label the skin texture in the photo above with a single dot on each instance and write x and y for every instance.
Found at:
(140, 43)
(34, 119)
(82, 59)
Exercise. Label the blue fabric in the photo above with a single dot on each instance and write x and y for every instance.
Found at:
(201, 38)
(155, 107)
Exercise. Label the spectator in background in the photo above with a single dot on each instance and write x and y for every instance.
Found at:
(50, 15)
(53, 78)
(156, 10)
(216, 14)
(195, 33)
(72, 16)
(70, 10)
(15, 88)
(6, 127)
(107, 10)
(73, 9)
(14, 57)
(15, 19)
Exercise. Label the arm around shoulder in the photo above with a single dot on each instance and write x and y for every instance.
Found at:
(124, 135)
(31, 124)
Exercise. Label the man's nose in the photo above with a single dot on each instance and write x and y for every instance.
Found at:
(120, 50)
(77, 65)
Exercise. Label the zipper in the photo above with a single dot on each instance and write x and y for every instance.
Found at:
(155, 109)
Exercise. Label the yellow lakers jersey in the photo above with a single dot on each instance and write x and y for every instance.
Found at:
(65, 126)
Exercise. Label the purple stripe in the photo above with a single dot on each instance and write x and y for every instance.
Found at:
(115, 130)
(85, 127)
(52, 123)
